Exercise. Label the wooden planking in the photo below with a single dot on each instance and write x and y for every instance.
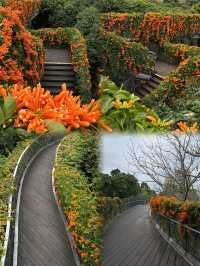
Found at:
(132, 240)
(42, 237)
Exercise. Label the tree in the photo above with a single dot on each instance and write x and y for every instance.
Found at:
(172, 162)
(118, 184)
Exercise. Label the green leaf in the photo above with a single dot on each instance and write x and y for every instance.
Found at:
(106, 104)
(122, 95)
(2, 118)
(9, 107)
(55, 127)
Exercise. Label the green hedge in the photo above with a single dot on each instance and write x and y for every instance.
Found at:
(175, 53)
(78, 202)
(120, 57)
(71, 39)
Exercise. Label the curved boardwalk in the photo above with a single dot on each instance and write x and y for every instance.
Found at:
(131, 241)
(42, 238)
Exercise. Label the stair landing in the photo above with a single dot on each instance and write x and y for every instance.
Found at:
(60, 55)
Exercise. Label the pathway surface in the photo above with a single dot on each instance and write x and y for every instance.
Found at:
(163, 68)
(131, 240)
(60, 55)
(42, 238)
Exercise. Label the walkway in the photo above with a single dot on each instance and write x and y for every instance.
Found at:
(60, 55)
(163, 69)
(42, 238)
(131, 241)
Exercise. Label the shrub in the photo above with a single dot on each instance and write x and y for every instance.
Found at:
(78, 202)
(22, 55)
(71, 38)
(122, 58)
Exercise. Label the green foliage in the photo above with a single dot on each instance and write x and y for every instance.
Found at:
(7, 111)
(185, 108)
(118, 184)
(121, 57)
(123, 111)
(196, 8)
(78, 202)
(111, 5)
(9, 137)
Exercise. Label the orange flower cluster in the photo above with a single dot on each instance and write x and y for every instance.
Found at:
(183, 128)
(186, 212)
(25, 8)
(152, 26)
(21, 54)
(36, 106)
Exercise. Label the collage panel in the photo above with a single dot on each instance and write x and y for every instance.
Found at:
(99, 132)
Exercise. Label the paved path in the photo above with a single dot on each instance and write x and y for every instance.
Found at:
(131, 240)
(163, 68)
(42, 238)
(57, 55)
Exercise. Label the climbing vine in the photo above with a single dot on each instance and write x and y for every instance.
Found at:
(21, 54)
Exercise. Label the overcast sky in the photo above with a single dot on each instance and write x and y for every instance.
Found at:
(114, 151)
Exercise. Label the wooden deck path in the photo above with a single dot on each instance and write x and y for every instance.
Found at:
(131, 240)
(42, 238)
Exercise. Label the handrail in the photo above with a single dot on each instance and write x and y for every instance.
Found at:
(181, 224)
(187, 237)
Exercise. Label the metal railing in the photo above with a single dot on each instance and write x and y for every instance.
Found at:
(188, 237)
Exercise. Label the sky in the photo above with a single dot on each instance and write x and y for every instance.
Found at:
(114, 151)
(115, 148)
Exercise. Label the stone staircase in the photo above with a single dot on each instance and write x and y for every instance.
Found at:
(147, 86)
(58, 69)
(55, 74)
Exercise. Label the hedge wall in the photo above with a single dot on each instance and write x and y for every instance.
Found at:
(152, 26)
(176, 53)
(120, 57)
(78, 202)
(71, 38)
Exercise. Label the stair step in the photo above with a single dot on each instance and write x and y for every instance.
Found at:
(157, 76)
(152, 84)
(147, 88)
(58, 67)
(47, 84)
(66, 73)
(155, 81)
(58, 78)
